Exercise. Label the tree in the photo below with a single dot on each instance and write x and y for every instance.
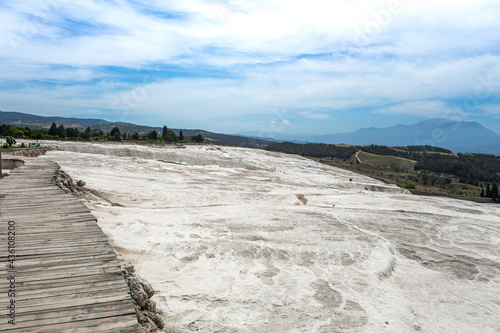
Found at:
(164, 132)
(153, 135)
(97, 133)
(494, 192)
(4, 130)
(37, 136)
(115, 130)
(72, 132)
(482, 193)
(135, 136)
(88, 133)
(170, 136)
(181, 136)
(199, 138)
(53, 129)
(488, 191)
(115, 134)
(61, 132)
(16, 132)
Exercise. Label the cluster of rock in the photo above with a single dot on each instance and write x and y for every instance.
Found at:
(141, 292)
(65, 182)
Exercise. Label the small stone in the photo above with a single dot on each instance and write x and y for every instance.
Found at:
(146, 286)
(150, 305)
(149, 328)
(137, 293)
(81, 183)
(140, 317)
(155, 318)
(127, 269)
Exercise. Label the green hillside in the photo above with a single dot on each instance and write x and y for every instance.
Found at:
(394, 162)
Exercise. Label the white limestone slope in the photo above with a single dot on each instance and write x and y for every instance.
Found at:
(223, 238)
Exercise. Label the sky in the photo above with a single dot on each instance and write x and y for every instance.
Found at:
(264, 67)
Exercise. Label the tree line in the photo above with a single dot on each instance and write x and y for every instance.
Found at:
(60, 132)
(491, 192)
(318, 150)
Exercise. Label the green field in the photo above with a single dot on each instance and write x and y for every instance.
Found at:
(396, 163)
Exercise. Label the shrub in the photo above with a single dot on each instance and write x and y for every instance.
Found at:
(10, 141)
(410, 186)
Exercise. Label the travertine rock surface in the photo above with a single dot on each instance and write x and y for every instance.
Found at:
(240, 240)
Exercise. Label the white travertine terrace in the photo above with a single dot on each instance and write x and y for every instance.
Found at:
(222, 236)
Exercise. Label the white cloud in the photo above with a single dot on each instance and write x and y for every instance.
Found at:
(314, 115)
(429, 109)
(422, 57)
(285, 123)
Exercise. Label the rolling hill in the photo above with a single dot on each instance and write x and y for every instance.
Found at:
(33, 121)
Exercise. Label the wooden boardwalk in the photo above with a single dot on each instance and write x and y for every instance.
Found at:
(65, 275)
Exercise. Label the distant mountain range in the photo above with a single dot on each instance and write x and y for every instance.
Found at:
(37, 122)
(458, 136)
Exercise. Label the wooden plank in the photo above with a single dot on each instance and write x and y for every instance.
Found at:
(41, 213)
(56, 271)
(71, 292)
(50, 238)
(28, 229)
(41, 197)
(76, 310)
(50, 318)
(27, 266)
(71, 222)
(69, 219)
(55, 238)
(48, 218)
(35, 203)
(47, 284)
(61, 301)
(60, 250)
(63, 261)
(64, 302)
(63, 255)
(115, 324)
(66, 290)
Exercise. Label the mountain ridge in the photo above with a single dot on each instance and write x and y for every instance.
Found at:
(458, 136)
(21, 119)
